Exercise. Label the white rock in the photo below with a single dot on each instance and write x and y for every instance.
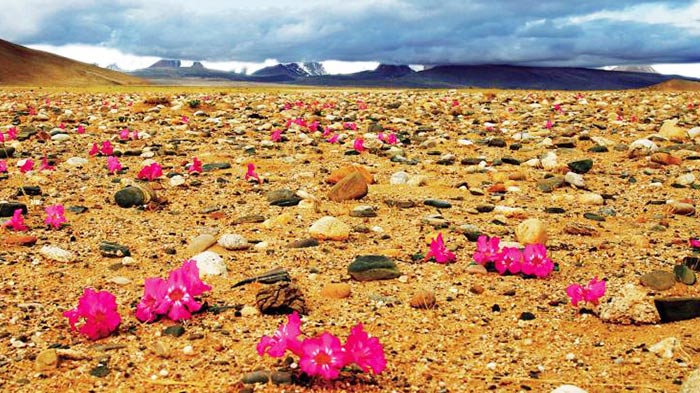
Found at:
(232, 241)
(569, 389)
(261, 245)
(549, 161)
(210, 263)
(77, 161)
(177, 180)
(685, 179)
(665, 347)
(247, 311)
(600, 141)
(417, 180)
(120, 280)
(399, 178)
(644, 144)
(60, 137)
(56, 254)
(628, 306)
(670, 130)
(692, 384)
(591, 198)
(694, 132)
(574, 179)
(329, 228)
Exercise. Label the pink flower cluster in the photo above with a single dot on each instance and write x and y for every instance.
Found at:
(324, 355)
(150, 172)
(439, 251)
(98, 312)
(196, 166)
(55, 217)
(388, 138)
(173, 297)
(11, 134)
(591, 293)
(532, 261)
(106, 150)
(16, 222)
(250, 174)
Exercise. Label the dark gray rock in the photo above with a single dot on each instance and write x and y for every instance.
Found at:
(581, 166)
(283, 197)
(677, 309)
(7, 209)
(373, 267)
(440, 204)
(215, 165)
(114, 250)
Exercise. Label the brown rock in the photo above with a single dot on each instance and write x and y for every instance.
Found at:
(576, 228)
(20, 240)
(281, 298)
(665, 159)
(46, 360)
(477, 269)
(353, 186)
(423, 299)
(343, 172)
(336, 291)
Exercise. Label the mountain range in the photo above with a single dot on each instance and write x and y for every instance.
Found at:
(23, 66)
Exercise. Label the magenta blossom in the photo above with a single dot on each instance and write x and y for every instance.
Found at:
(107, 148)
(94, 150)
(150, 172)
(98, 311)
(510, 259)
(3, 166)
(55, 216)
(591, 293)
(276, 135)
(359, 145)
(487, 249)
(322, 356)
(178, 300)
(549, 125)
(196, 166)
(27, 166)
(12, 133)
(286, 337)
(366, 352)
(350, 126)
(80, 129)
(113, 164)
(16, 222)
(535, 261)
(153, 293)
(333, 139)
(45, 166)
(694, 242)
(250, 174)
(439, 252)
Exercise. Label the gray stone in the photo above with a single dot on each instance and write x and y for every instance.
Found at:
(658, 280)
(283, 197)
(437, 203)
(304, 243)
(363, 211)
(550, 184)
(684, 274)
(7, 209)
(7, 152)
(581, 166)
(373, 267)
(113, 250)
(215, 165)
(674, 309)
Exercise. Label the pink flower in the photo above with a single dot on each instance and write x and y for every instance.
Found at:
(62, 126)
(150, 172)
(695, 243)
(113, 164)
(286, 337)
(107, 149)
(196, 166)
(27, 166)
(55, 216)
(94, 150)
(32, 111)
(333, 139)
(16, 222)
(153, 293)
(350, 126)
(364, 351)
(134, 135)
(510, 259)
(124, 134)
(439, 252)
(391, 139)
(250, 174)
(98, 311)
(313, 127)
(358, 145)
(44, 166)
(591, 293)
(182, 285)
(486, 249)
(3, 166)
(326, 132)
(535, 261)
(276, 135)
(322, 356)
(549, 124)
(12, 133)
(80, 129)
(184, 119)
(2, 137)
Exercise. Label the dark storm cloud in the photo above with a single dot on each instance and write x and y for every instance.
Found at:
(394, 31)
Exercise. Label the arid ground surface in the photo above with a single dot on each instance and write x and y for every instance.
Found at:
(487, 154)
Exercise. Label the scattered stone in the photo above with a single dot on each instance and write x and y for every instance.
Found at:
(269, 277)
(682, 209)
(476, 269)
(232, 241)
(363, 211)
(344, 172)
(136, 195)
(666, 347)
(261, 377)
(281, 298)
(554, 210)
(684, 274)
(113, 250)
(57, 254)
(692, 384)
(329, 228)
(424, 299)
(581, 166)
(336, 291)
(28, 190)
(629, 306)
(579, 229)
(526, 316)
(658, 280)
(373, 267)
(531, 231)
(672, 132)
(591, 198)
(678, 308)
(574, 179)
(46, 360)
(20, 240)
(7, 152)
(7, 209)
(550, 184)
(200, 243)
(210, 263)
(304, 243)
(353, 186)
(284, 197)
(175, 331)
(161, 349)
(120, 280)
(594, 217)
(437, 203)
(252, 219)
(215, 166)
(100, 371)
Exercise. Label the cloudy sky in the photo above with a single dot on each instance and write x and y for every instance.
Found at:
(356, 34)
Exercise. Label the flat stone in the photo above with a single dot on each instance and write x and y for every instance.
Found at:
(7, 152)
(554, 210)
(134, 196)
(550, 184)
(215, 166)
(7, 209)
(628, 306)
(329, 228)
(113, 250)
(658, 280)
(581, 166)
(682, 209)
(373, 267)
(57, 254)
(476, 269)
(684, 274)
(200, 243)
(437, 203)
(304, 243)
(46, 360)
(284, 197)
(232, 241)
(260, 376)
(672, 309)
(363, 211)
(594, 217)
(353, 186)
(20, 240)
(281, 298)
(336, 290)
(579, 229)
(251, 219)
(175, 331)
(28, 190)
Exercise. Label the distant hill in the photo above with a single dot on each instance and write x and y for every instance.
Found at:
(288, 72)
(165, 71)
(22, 66)
(165, 63)
(635, 68)
(677, 85)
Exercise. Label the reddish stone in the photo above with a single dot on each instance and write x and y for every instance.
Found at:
(20, 240)
(343, 172)
(353, 186)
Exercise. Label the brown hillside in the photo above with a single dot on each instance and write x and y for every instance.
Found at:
(21, 66)
(675, 85)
